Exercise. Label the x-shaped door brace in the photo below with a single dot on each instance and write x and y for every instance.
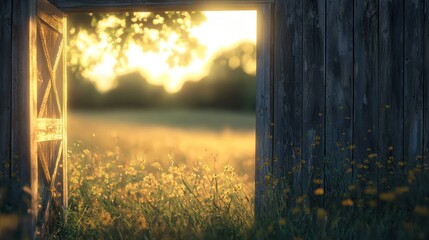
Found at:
(49, 129)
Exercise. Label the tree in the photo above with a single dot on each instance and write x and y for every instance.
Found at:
(144, 29)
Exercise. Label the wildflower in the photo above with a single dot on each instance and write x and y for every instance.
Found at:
(347, 202)
(352, 187)
(387, 196)
(317, 181)
(299, 200)
(282, 221)
(322, 214)
(295, 210)
(401, 190)
(142, 223)
(372, 203)
(408, 226)
(372, 155)
(370, 190)
(421, 210)
(411, 177)
(8, 222)
(106, 218)
(319, 191)
(307, 210)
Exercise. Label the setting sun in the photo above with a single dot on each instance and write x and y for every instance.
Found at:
(220, 31)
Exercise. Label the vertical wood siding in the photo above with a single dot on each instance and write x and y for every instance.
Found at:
(350, 90)
(426, 84)
(5, 85)
(391, 85)
(413, 79)
(264, 133)
(288, 90)
(21, 150)
(367, 73)
(313, 95)
(339, 91)
(365, 86)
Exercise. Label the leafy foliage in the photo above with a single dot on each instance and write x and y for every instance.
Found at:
(227, 86)
(145, 29)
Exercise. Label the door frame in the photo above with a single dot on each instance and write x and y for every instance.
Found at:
(264, 73)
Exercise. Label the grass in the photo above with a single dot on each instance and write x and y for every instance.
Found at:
(138, 175)
(135, 180)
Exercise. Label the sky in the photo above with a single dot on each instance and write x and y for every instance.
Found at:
(221, 31)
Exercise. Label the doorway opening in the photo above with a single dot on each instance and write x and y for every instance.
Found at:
(161, 123)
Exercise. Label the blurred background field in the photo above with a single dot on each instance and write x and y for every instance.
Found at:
(155, 174)
(214, 138)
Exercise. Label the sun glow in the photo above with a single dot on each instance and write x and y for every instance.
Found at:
(220, 31)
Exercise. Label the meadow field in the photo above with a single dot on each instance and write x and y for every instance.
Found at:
(160, 174)
(190, 175)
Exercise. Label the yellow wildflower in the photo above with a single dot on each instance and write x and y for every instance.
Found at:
(387, 196)
(372, 203)
(8, 222)
(319, 191)
(421, 210)
(347, 202)
(322, 214)
(401, 190)
(299, 200)
(317, 181)
(370, 190)
(106, 219)
(282, 221)
(142, 223)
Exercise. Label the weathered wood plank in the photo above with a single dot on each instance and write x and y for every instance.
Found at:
(391, 83)
(263, 112)
(366, 112)
(151, 5)
(5, 86)
(49, 129)
(313, 151)
(50, 15)
(23, 106)
(413, 80)
(288, 68)
(339, 93)
(426, 84)
(64, 103)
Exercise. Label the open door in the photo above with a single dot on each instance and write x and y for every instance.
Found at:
(49, 90)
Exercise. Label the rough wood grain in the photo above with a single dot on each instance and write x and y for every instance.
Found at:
(150, 5)
(366, 112)
(288, 100)
(426, 84)
(313, 151)
(263, 112)
(5, 86)
(339, 92)
(49, 129)
(22, 128)
(64, 164)
(50, 15)
(413, 79)
(391, 85)
(50, 63)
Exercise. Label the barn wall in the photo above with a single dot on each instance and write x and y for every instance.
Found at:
(5, 85)
(346, 88)
(351, 88)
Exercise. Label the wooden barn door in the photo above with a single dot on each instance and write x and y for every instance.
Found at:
(51, 98)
